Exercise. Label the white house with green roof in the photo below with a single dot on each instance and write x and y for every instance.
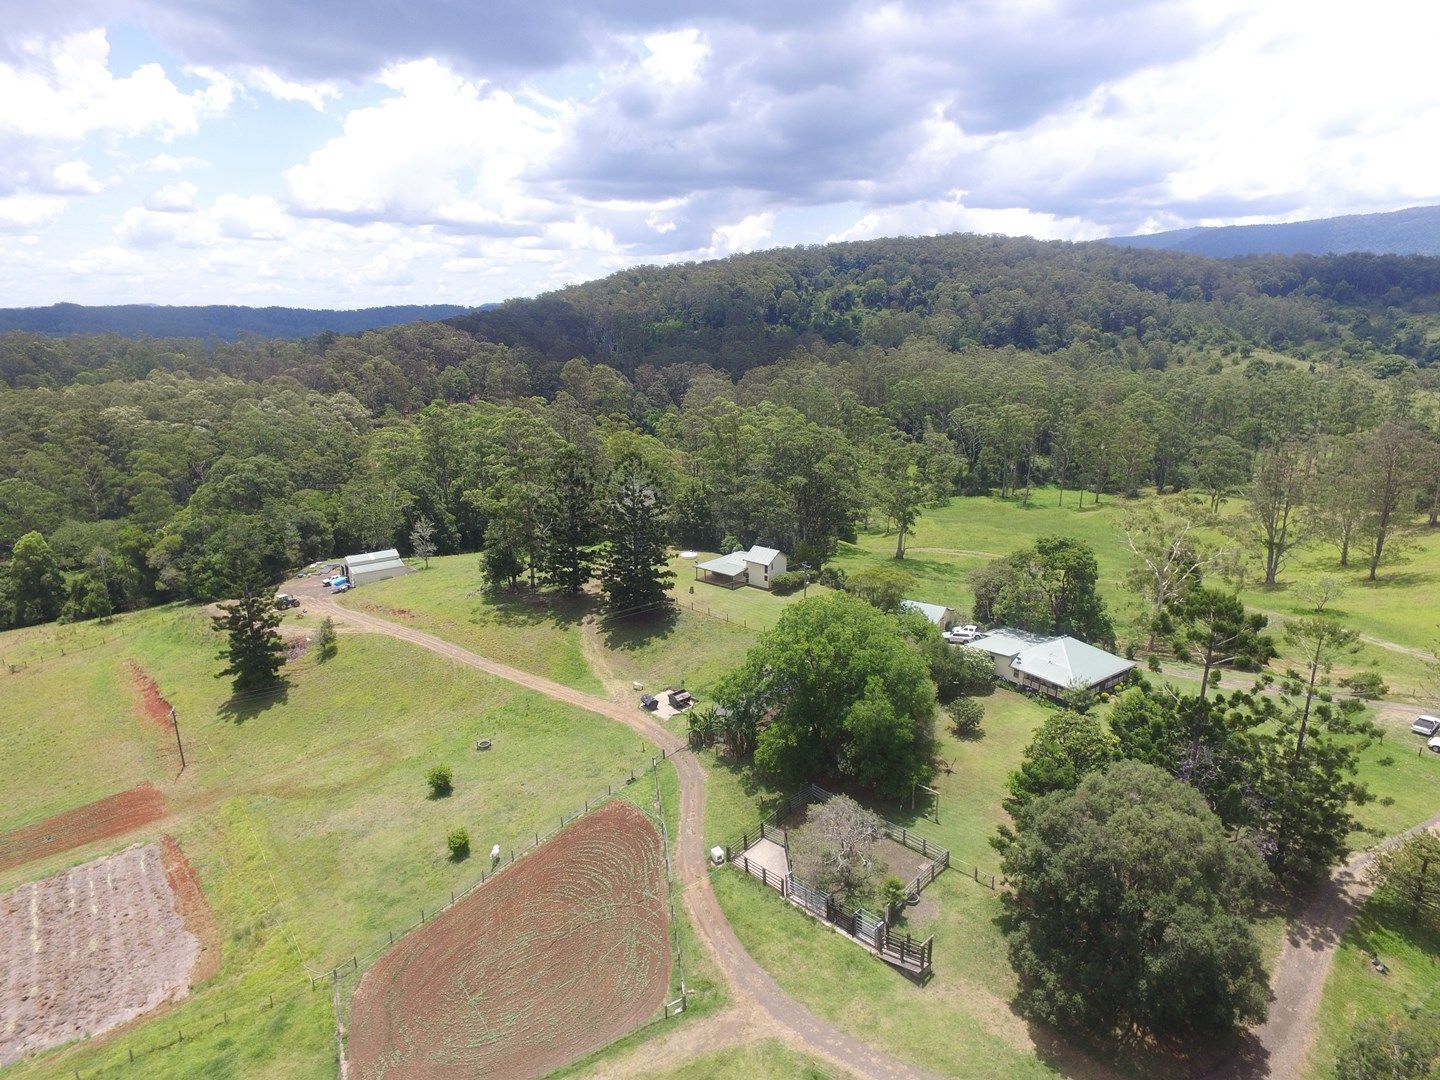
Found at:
(757, 567)
(1051, 665)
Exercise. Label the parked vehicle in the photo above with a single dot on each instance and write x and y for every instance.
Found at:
(1434, 744)
(284, 600)
(1426, 725)
(343, 585)
(961, 635)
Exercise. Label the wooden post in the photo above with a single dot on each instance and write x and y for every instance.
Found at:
(924, 847)
(175, 723)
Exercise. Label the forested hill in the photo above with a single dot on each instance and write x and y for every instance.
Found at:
(781, 397)
(965, 290)
(222, 321)
(1415, 231)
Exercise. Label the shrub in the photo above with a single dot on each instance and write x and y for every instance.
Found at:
(459, 844)
(1366, 684)
(787, 583)
(441, 781)
(966, 715)
(326, 641)
(832, 577)
(1153, 662)
(893, 893)
(730, 545)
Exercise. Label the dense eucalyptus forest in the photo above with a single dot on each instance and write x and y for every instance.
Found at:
(785, 397)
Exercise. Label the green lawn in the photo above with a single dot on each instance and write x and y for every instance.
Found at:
(767, 1059)
(533, 632)
(1355, 991)
(961, 1022)
(306, 815)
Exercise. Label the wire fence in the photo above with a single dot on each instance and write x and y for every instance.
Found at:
(163, 1033)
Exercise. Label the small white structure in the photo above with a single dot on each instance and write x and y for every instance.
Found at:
(495, 854)
(756, 567)
(1051, 665)
(717, 855)
(942, 616)
(374, 566)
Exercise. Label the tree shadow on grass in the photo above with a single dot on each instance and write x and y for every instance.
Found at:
(522, 606)
(245, 707)
(635, 632)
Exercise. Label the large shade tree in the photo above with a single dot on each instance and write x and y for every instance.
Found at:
(845, 693)
(1129, 910)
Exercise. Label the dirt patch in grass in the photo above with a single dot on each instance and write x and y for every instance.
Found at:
(558, 956)
(194, 911)
(153, 705)
(89, 949)
(114, 815)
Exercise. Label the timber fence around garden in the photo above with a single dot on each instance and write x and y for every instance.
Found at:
(871, 931)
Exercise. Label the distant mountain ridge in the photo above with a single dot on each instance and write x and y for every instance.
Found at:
(1414, 231)
(223, 321)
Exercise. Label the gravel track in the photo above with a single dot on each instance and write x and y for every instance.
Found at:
(749, 983)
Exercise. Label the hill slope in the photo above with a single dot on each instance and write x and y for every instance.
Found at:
(1414, 231)
(225, 322)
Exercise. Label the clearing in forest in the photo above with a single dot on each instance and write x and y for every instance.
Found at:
(558, 956)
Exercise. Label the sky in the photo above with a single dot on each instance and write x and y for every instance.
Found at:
(349, 153)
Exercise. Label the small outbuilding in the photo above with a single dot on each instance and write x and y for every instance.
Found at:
(374, 566)
(942, 616)
(1051, 665)
(757, 567)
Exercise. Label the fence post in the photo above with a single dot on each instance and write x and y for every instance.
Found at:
(924, 847)
(903, 837)
(764, 880)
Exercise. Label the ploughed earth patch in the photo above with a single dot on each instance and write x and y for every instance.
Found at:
(114, 815)
(559, 955)
(98, 945)
(153, 705)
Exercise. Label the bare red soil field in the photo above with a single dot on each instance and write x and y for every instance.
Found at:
(114, 815)
(89, 949)
(152, 703)
(564, 952)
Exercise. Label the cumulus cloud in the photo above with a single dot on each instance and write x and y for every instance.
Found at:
(552, 141)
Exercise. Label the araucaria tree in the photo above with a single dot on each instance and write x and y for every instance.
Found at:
(254, 650)
(635, 557)
(846, 695)
(1129, 910)
(567, 518)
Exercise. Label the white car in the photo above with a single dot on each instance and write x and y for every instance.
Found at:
(962, 635)
(1433, 745)
(1426, 725)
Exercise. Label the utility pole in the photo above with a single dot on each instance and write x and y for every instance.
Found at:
(175, 723)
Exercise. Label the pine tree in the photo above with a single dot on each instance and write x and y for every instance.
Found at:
(326, 641)
(568, 525)
(635, 560)
(254, 649)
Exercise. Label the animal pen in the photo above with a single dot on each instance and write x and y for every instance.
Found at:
(763, 853)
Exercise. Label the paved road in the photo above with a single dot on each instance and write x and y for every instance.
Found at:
(748, 981)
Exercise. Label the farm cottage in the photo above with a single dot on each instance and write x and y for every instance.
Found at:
(1051, 665)
(756, 567)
